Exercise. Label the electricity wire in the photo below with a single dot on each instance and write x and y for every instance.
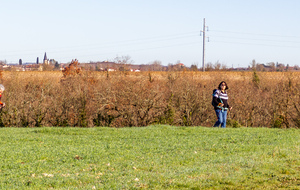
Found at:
(150, 43)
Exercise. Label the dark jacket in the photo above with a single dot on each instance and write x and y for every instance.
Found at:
(218, 96)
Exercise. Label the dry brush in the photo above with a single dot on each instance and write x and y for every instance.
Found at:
(125, 99)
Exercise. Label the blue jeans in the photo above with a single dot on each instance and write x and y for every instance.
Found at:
(222, 116)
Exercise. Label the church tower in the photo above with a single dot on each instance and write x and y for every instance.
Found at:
(45, 59)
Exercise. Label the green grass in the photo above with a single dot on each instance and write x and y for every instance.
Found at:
(154, 157)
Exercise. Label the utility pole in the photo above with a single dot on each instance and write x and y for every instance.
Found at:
(203, 55)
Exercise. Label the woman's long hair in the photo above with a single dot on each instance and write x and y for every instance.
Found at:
(219, 87)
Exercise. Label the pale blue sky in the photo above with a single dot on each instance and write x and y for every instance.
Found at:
(164, 30)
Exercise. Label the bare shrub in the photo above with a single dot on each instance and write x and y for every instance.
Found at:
(120, 99)
(72, 69)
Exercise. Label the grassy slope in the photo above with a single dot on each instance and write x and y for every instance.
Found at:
(155, 157)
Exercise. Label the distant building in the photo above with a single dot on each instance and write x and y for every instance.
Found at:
(110, 70)
(46, 61)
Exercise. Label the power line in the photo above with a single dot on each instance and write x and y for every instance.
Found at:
(150, 41)
(255, 39)
(143, 49)
(254, 44)
(256, 34)
(142, 41)
(131, 50)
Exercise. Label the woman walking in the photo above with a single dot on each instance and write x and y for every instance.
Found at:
(221, 106)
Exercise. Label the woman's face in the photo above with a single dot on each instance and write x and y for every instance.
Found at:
(223, 86)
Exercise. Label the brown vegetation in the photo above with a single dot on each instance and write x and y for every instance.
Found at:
(119, 99)
(72, 69)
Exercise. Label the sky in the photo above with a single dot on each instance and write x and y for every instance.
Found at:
(238, 31)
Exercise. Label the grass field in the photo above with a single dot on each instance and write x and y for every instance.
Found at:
(154, 157)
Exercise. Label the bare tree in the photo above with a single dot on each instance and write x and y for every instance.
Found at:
(271, 66)
(223, 66)
(209, 66)
(123, 60)
(156, 66)
(194, 68)
(217, 65)
(260, 67)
